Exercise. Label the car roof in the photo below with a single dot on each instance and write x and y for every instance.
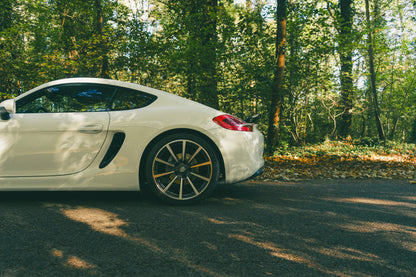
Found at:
(96, 81)
(163, 96)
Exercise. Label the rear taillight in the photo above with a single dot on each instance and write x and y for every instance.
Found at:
(233, 123)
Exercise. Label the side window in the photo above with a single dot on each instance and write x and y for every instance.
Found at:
(67, 98)
(129, 99)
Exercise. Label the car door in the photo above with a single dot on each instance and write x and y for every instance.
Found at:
(55, 131)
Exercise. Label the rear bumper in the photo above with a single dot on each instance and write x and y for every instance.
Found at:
(242, 153)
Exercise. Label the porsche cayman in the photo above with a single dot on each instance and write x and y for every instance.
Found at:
(99, 134)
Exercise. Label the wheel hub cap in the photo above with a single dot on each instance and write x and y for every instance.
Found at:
(182, 170)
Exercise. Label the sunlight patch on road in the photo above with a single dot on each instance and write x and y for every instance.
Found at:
(76, 262)
(349, 253)
(401, 235)
(409, 198)
(375, 227)
(99, 220)
(217, 221)
(370, 201)
(105, 222)
(343, 253)
(274, 250)
(72, 261)
(108, 223)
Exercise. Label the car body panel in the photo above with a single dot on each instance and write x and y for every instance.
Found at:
(50, 144)
(241, 152)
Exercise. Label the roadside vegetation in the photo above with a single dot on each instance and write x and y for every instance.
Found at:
(354, 159)
(311, 69)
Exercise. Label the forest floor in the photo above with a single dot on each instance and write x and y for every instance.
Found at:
(339, 160)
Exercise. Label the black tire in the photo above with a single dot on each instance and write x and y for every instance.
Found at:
(181, 168)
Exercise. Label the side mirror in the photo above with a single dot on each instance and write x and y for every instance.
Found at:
(6, 108)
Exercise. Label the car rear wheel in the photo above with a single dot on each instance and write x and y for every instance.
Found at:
(181, 169)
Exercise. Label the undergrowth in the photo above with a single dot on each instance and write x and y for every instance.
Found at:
(349, 148)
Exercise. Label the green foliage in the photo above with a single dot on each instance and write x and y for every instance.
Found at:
(206, 49)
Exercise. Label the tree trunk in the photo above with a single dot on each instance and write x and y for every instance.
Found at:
(102, 44)
(276, 99)
(345, 50)
(373, 87)
(208, 93)
(200, 23)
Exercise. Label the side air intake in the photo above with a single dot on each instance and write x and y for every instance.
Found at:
(112, 151)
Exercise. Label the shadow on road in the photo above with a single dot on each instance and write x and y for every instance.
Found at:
(314, 228)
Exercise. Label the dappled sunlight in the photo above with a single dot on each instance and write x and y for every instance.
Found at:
(104, 222)
(78, 263)
(375, 202)
(379, 227)
(342, 252)
(223, 222)
(390, 158)
(318, 230)
(273, 249)
(216, 221)
(98, 220)
(72, 261)
(390, 231)
(286, 254)
(401, 235)
(409, 198)
(110, 224)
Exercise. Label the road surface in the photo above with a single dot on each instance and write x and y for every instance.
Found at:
(309, 228)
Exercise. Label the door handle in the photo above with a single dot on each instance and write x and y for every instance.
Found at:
(91, 129)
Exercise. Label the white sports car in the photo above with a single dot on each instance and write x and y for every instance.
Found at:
(98, 134)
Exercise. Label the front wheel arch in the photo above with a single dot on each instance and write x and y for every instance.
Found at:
(145, 154)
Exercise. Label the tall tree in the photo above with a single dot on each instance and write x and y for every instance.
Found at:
(12, 50)
(103, 51)
(189, 29)
(373, 85)
(208, 91)
(346, 53)
(276, 98)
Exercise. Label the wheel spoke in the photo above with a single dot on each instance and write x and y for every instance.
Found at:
(164, 162)
(171, 152)
(199, 165)
(181, 189)
(192, 185)
(163, 174)
(201, 177)
(196, 153)
(183, 150)
(170, 184)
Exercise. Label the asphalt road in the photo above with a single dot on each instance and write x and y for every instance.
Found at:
(313, 228)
